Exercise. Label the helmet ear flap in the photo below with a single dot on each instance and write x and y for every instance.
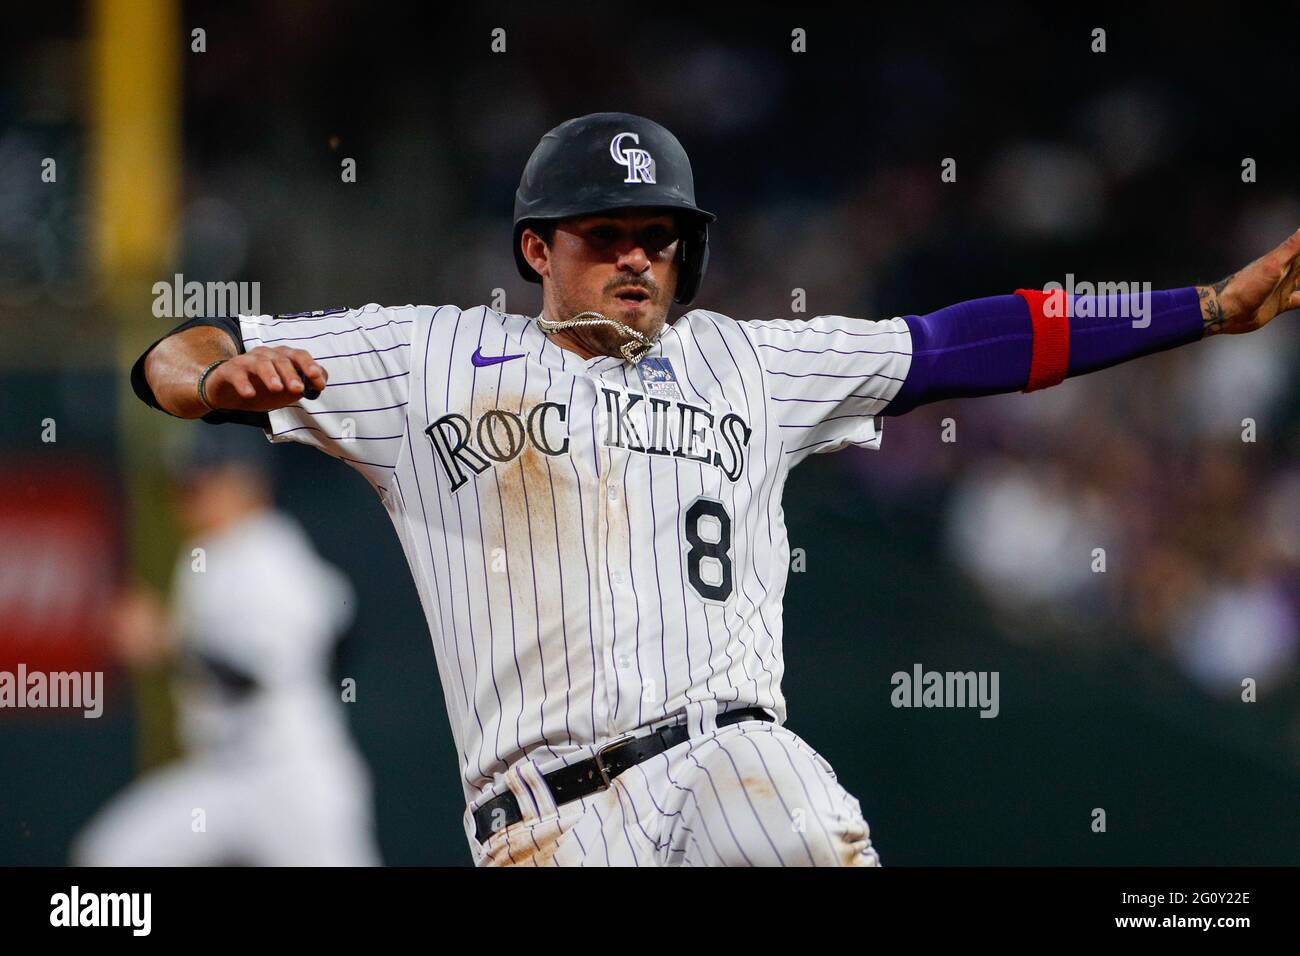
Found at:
(692, 260)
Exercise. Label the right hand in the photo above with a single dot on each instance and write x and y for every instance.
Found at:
(263, 379)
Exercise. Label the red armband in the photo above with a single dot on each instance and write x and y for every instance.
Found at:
(1050, 358)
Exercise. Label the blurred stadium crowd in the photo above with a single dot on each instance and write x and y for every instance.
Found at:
(826, 180)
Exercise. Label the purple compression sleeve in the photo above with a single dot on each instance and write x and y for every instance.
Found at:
(983, 347)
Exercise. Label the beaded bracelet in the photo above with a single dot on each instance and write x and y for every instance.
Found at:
(203, 379)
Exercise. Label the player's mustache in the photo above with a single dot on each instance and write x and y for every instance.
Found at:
(645, 285)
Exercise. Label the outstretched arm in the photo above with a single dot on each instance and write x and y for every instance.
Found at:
(1033, 339)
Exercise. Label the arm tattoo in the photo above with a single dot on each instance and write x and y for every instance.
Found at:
(1212, 315)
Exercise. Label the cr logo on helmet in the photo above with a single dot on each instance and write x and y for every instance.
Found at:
(640, 164)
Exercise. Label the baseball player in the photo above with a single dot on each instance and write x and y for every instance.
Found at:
(590, 497)
(270, 774)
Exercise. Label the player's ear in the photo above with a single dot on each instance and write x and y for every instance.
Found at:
(536, 253)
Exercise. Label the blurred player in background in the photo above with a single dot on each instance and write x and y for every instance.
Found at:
(271, 776)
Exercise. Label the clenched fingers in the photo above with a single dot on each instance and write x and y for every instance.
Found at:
(239, 379)
(262, 368)
(307, 367)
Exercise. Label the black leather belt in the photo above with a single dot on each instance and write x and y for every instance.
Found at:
(594, 774)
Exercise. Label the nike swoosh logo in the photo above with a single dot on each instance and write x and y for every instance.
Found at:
(480, 360)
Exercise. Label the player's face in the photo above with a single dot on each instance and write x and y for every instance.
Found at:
(212, 498)
(621, 264)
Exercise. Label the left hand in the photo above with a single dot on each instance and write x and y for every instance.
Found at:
(1247, 300)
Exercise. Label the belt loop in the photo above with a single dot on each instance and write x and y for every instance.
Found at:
(524, 786)
(701, 718)
(536, 800)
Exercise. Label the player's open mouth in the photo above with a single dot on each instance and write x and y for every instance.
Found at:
(633, 296)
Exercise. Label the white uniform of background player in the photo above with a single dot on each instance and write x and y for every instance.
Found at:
(594, 564)
(271, 766)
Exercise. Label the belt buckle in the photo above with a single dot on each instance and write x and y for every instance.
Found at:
(599, 757)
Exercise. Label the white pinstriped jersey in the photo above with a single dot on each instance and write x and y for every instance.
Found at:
(592, 554)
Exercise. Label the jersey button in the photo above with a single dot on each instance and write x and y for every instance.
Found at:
(618, 577)
(613, 493)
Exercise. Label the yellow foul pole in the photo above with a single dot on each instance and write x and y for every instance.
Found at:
(135, 49)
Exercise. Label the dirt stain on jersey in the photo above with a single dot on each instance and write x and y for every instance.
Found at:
(536, 488)
(537, 544)
(757, 788)
(520, 845)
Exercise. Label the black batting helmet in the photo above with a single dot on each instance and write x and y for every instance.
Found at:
(610, 161)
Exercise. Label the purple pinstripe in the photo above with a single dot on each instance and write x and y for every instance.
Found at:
(636, 602)
(559, 565)
(722, 809)
(771, 677)
(464, 558)
(596, 675)
(326, 358)
(446, 545)
(320, 335)
(478, 509)
(741, 583)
